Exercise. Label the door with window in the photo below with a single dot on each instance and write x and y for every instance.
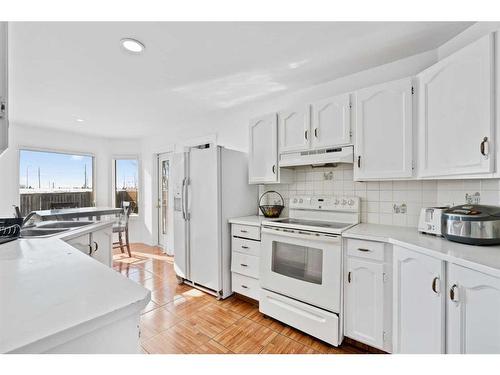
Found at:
(165, 204)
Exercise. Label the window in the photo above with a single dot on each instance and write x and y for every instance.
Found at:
(126, 183)
(54, 180)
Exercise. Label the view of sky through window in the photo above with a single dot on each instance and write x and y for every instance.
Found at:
(39, 170)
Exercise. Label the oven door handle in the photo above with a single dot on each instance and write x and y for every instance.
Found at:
(302, 235)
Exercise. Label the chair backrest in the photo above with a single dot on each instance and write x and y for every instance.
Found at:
(124, 216)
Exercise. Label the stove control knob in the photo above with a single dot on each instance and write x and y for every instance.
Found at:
(350, 202)
(344, 202)
(336, 202)
(301, 200)
(294, 200)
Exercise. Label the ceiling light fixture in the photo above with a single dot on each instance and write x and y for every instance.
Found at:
(132, 45)
(79, 120)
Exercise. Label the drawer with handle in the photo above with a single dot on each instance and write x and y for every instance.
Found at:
(366, 249)
(247, 286)
(246, 231)
(245, 246)
(245, 264)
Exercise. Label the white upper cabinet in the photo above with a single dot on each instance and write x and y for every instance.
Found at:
(383, 146)
(473, 308)
(294, 129)
(331, 122)
(456, 113)
(364, 301)
(4, 121)
(263, 150)
(419, 304)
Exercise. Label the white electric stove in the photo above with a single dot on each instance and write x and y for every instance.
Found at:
(301, 264)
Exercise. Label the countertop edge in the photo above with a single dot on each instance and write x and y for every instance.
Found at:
(426, 251)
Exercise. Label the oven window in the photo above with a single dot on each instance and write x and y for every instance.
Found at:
(299, 262)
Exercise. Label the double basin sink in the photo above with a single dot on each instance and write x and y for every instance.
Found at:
(51, 228)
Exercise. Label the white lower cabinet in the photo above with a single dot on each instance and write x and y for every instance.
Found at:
(368, 294)
(245, 252)
(473, 312)
(419, 303)
(96, 244)
(364, 303)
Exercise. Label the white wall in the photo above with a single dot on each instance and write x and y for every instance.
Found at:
(22, 136)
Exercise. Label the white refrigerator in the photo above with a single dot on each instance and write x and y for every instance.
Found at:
(210, 186)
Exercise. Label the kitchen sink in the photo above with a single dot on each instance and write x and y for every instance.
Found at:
(63, 224)
(41, 232)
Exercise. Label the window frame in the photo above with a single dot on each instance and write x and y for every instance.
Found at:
(136, 157)
(21, 148)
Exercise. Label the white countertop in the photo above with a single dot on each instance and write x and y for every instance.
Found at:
(482, 258)
(51, 291)
(253, 220)
(80, 231)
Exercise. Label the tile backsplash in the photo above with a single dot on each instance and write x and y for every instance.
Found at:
(387, 202)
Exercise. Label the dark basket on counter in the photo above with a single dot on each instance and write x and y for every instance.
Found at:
(271, 210)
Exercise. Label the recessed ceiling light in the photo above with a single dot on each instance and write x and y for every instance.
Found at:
(132, 45)
(79, 120)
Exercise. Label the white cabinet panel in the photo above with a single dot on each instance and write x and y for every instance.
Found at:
(263, 150)
(456, 113)
(331, 122)
(102, 246)
(419, 303)
(383, 147)
(294, 129)
(4, 122)
(473, 308)
(364, 301)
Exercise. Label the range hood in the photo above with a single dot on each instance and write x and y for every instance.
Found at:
(318, 157)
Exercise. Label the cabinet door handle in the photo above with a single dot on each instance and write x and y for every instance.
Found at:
(244, 286)
(454, 293)
(305, 134)
(90, 249)
(435, 285)
(244, 247)
(349, 277)
(484, 147)
(96, 247)
(359, 161)
(243, 231)
(274, 169)
(364, 250)
(316, 132)
(243, 265)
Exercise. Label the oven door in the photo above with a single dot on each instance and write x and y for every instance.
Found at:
(302, 265)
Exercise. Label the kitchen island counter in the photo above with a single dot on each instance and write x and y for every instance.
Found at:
(56, 299)
(73, 213)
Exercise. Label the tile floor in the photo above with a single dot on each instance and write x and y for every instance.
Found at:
(181, 319)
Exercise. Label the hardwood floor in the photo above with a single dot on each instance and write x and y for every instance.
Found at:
(181, 319)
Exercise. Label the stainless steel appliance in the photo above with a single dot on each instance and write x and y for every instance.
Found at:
(301, 265)
(430, 220)
(472, 224)
(210, 185)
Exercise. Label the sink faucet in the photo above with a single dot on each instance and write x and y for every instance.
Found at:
(29, 217)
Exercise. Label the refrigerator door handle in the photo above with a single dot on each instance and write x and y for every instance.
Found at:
(183, 198)
(186, 199)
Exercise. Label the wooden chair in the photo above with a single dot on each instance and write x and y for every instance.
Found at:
(121, 227)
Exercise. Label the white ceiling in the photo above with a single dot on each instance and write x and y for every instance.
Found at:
(63, 71)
